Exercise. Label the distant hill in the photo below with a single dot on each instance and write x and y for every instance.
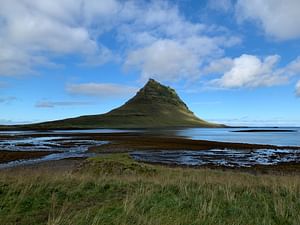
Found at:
(154, 106)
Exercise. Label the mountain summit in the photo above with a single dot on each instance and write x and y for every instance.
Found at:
(154, 93)
(154, 106)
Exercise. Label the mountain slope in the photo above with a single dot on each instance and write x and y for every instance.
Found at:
(153, 106)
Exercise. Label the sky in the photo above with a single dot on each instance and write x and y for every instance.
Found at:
(232, 61)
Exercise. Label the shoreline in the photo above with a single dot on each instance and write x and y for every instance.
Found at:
(130, 141)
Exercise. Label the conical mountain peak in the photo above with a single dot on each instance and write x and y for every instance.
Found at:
(151, 81)
(154, 105)
(155, 93)
(152, 85)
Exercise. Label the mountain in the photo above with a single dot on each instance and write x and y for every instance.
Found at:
(154, 105)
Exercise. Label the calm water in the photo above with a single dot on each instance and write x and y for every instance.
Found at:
(228, 135)
(210, 134)
(72, 146)
(228, 157)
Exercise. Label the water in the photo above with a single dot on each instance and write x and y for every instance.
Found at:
(228, 135)
(64, 146)
(33, 143)
(217, 157)
(70, 145)
(51, 157)
(228, 157)
(209, 134)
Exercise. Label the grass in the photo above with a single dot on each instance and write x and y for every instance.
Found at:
(116, 190)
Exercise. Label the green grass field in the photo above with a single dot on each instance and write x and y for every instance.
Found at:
(116, 190)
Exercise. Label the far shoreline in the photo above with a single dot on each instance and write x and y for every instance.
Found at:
(264, 131)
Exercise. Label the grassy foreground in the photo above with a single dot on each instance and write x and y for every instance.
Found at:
(116, 190)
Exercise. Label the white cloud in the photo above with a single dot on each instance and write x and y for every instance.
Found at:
(298, 89)
(174, 59)
(52, 104)
(168, 47)
(278, 18)
(218, 66)
(37, 32)
(33, 32)
(251, 71)
(165, 59)
(293, 68)
(101, 89)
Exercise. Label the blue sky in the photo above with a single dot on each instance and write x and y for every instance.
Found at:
(235, 62)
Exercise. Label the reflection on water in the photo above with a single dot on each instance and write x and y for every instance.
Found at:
(210, 134)
(227, 157)
(69, 147)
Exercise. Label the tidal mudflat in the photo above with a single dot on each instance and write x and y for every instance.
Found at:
(151, 146)
(19, 149)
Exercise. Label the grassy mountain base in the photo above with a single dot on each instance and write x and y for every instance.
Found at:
(116, 190)
(126, 119)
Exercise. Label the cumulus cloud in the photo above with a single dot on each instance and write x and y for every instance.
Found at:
(165, 59)
(251, 71)
(169, 47)
(37, 32)
(293, 68)
(279, 19)
(52, 104)
(101, 89)
(32, 32)
(218, 66)
(298, 89)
